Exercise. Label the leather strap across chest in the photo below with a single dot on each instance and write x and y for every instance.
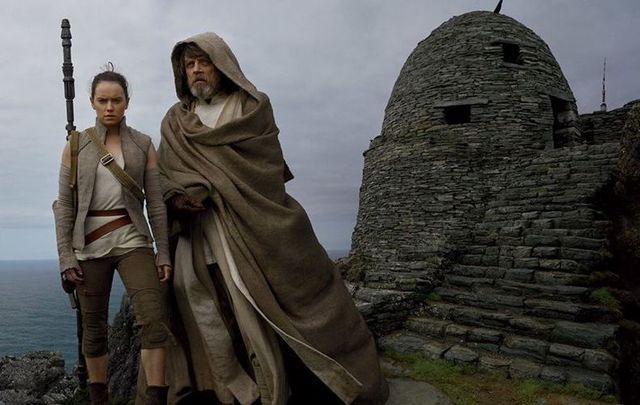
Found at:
(107, 160)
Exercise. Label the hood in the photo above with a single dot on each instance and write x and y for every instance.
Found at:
(221, 56)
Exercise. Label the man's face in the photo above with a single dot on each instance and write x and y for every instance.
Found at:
(202, 76)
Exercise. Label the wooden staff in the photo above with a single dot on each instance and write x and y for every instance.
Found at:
(69, 95)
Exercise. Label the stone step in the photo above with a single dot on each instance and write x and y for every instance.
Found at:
(525, 275)
(538, 251)
(501, 342)
(531, 238)
(534, 224)
(508, 286)
(541, 308)
(585, 335)
(510, 364)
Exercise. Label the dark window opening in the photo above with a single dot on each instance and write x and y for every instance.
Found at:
(458, 114)
(565, 131)
(511, 54)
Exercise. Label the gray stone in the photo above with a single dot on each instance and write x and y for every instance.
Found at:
(484, 335)
(401, 343)
(552, 307)
(457, 331)
(439, 310)
(554, 375)
(408, 392)
(427, 326)
(583, 243)
(599, 360)
(589, 335)
(529, 263)
(517, 345)
(524, 369)
(494, 364)
(469, 271)
(481, 347)
(580, 254)
(569, 352)
(597, 381)
(561, 361)
(545, 252)
(550, 264)
(435, 350)
(461, 355)
(511, 230)
(559, 278)
(541, 240)
(531, 325)
(468, 281)
(493, 300)
(494, 272)
(523, 275)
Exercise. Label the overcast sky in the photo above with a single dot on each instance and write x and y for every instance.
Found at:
(328, 66)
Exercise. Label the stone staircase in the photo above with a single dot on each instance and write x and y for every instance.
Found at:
(517, 300)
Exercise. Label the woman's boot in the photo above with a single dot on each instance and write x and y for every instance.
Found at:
(99, 394)
(157, 395)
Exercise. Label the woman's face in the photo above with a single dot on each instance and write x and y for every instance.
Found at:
(110, 103)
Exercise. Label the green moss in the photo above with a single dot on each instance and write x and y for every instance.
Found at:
(529, 390)
(603, 297)
(434, 296)
(466, 385)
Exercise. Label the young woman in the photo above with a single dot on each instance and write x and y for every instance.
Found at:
(105, 229)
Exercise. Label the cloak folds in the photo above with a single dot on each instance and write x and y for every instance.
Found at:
(263, 235)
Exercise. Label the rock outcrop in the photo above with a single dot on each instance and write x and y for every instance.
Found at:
(36, 378)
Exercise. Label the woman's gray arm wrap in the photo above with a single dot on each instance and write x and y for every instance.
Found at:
(64, 216)
(157, 212)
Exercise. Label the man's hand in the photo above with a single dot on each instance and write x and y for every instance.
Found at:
(183, 206)
(73, 275)
(164, 272)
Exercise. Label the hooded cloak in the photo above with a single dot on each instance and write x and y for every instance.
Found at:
(280, 279)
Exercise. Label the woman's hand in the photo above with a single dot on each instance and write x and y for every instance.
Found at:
(164, 272)
(74, 275)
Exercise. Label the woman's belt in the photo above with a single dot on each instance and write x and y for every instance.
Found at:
(124, 219)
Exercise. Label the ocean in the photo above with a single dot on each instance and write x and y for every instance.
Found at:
(35, 313)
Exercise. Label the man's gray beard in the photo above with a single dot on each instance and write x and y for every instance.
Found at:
(202, 92)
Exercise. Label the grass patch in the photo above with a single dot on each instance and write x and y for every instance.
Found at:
(604, 297)
(434, 296)
(465, 385)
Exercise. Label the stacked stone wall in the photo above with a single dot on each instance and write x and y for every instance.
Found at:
(601, 127)
(517, 300)
(426, 182)
(481, 237)
(461, 62)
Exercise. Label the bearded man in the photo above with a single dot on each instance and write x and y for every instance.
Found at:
(266, 316)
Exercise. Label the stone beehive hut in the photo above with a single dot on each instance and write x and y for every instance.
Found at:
(480, 92)
(479, 191)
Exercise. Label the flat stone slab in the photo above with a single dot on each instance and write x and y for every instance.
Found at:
(409, 392)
